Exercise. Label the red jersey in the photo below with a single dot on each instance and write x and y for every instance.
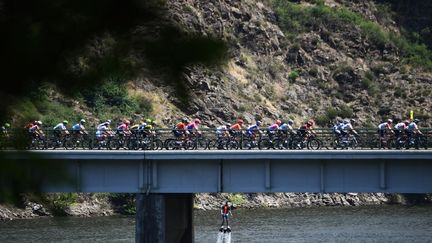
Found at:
(181, 126)
(225, 209)
(236, 127)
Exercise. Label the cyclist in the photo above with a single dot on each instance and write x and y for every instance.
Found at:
(384, 127)
(193, 127)
(179, 129)
(104, 124)
(123, 128)
(223, 131)
(252, 130)
(347, 128)
(413, 130)
(272, 129)
(149, 126)
(236, 128)
(35, 130)
(306, 129)
(79, 129)
(60, 130)
(286, 128)
(400, 128)
(103, 130)
(337, 128)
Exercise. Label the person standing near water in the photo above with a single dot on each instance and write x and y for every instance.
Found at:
(225, 213)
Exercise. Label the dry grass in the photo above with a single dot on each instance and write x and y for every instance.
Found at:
(238, 73)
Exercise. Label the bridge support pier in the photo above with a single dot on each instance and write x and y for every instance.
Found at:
(164, 218)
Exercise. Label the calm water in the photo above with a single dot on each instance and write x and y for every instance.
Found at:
(329, 224)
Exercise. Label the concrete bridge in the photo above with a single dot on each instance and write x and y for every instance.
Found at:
(166, 180)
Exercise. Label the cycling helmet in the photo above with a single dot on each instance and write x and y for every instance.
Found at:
(345, 121)
(83, 121)
(278, 121)
(197, 121)
(390, 121)
(148, 121)
(184, 120)
(352, 120)
(108, 121)
(39, 122)
(228, 125)
(407, 122)
(309, 123)
(416, 120)
(127, 122)
(290, 122)
(7, 124)
(65, 122)
(240, 121)
(258, 123)
(312, 122)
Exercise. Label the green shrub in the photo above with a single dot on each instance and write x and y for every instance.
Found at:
(322, 120)
(237, 199)
(345, 112)
(61, 202)
(293, 75)
(331, 113)
(112, 97)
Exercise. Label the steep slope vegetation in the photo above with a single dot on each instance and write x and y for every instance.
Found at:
(287, 59)
(316, 59)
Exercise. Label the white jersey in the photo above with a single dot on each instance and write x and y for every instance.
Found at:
(221, 130)
(347, 127)
(400, 126)
(60, 126)
(101, 130)
(383, 126)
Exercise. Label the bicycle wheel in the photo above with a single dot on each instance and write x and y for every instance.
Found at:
(232, 145)
(265, 143)
(297, 143)
(353, 143)
(172, 144)
(215, 144)
(247, 143)
(69, 143)
(314, 144)
(157, 144)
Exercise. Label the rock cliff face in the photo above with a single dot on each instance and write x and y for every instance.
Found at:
(273, 72)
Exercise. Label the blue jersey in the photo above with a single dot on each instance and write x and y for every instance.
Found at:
(76, 127)
(252, 128)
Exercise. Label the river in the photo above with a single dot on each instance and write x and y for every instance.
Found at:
(392, 223)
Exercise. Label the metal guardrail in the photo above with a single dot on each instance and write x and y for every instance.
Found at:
(208, 139)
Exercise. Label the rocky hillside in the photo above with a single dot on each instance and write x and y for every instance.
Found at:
(286, 59)
(317, 59)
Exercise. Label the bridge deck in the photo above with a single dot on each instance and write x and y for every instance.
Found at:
(243, 171)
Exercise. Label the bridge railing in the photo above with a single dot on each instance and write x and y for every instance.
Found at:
(368, 138)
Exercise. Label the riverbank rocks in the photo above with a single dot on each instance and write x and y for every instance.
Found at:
(205, 201)
(93, 204)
